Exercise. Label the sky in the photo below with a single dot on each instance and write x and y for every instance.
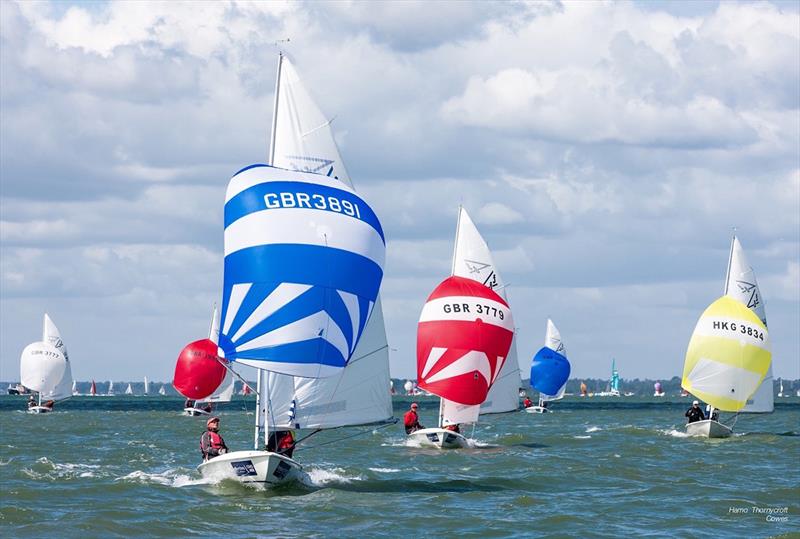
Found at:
(605, 150)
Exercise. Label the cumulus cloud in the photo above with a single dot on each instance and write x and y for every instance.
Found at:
(605, 150)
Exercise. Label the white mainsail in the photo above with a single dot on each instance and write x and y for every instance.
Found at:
(45, 367)
(302, 140)
(741, 284)
(224, 393)
(146, 386)
(472, 259)
(110, 387)
(129, 390)
(74, 387)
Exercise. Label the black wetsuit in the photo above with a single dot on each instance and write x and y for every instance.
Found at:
(695, 414)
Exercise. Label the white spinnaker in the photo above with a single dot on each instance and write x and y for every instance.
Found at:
(552, 340)
(358, 396)
(45, 370)
(303, 140)
(741, 284)
(472, 259)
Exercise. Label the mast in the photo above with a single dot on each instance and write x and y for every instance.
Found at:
(271, 155)
(261, 412)
(730, 261)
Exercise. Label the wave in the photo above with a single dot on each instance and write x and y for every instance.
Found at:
(385, 470)
(321, 477)
(44, 468)
(674, 433)
(593, 429)
(581, 437)
(169, 478)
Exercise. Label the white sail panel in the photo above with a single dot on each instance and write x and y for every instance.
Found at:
(472, 258)
(50, 334)
(552, 340)
(224, 392)
(45, 370)
(358, 396)
(303, 139)
(504, 394)
(763, 400)
(455, 413)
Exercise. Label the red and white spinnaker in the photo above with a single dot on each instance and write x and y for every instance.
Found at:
(463, 339)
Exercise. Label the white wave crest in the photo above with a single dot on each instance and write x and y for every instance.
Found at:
(385, 470)
(320, 477)
(169, 478)
(581, 437)
(47, 469)
(674, 433)
(593, 429)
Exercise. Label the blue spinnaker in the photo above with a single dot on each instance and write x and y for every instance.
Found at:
(549, 371)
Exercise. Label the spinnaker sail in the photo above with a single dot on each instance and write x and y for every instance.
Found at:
(550, 367)
(45, 366)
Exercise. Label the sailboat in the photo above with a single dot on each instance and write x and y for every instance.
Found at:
(658, 390)
(93, 389)
(224, 391)
(550, 370)
(74, 388)
(462, 369)
(303, 265)
(472, 259)
(780, 387)
(45, 368)
(162, 390)
(729, 355)
(741, 284)
(584, 390)
(110, 392)
(129, 390)
(245, 389)
(146, 386)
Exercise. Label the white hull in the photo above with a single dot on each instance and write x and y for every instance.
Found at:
(537, 410)
(39, 410)
(260, 467)
(708, 428)
(439, 438)
(195, 412)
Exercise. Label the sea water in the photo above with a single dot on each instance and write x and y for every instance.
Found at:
(125, 466)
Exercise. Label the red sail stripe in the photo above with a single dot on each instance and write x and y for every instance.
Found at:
(461, 286)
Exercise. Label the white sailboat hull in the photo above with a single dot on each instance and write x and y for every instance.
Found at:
(39, 410)
(260, 467)
(708, 428)
(439, 438)
(194, 412)
(537, 410)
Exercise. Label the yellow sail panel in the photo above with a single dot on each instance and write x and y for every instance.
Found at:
(728, 355)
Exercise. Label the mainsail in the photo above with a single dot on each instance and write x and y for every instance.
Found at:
(550, 367)
(472, 259)
(728, 355)
(199, 373)
(45, 367)
(302, 140)
(741, 284)
(146, 386)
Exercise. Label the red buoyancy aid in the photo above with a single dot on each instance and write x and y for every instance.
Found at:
(215, 443)
(410, 419)
(286, 442)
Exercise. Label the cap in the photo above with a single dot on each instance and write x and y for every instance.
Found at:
(212, 420)
(414, 405)
(696, 402)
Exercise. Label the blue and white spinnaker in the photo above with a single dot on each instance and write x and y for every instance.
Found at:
(304, 259)
(550, 367)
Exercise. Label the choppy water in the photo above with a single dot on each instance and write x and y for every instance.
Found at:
(121, 467)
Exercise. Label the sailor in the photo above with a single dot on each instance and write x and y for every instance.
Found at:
(695, 413)
(211, 443)
(282, 442)
(453, 427)
(527, 403)
(31, 401)
(188, 404)
(411, 419)
(49, 404)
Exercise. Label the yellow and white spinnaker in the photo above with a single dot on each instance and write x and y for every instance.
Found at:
(728, 356)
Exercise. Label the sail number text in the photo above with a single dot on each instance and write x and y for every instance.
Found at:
(312, 201)
(740, 328)
(476, 308)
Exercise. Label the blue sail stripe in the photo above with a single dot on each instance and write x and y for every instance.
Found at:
(304, 264)
(304, 352)
(257, 294)
(268, 195)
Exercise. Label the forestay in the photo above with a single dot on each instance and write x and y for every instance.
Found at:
(741, 285)
(304, 261)
(728, 355)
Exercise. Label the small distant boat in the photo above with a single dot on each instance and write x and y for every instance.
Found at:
(728, 357)
(93, 389)
(129, 390)
(74, 388)
(17, 389)
(45, 369)
(584, 390)
(146, 386)
(780, 388)
(162, 390)
(245, 389)
(110, 392)
(658, 391)
(550, 370)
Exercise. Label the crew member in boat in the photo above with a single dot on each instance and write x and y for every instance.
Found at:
(211, 443)
(49, 404)
(527, 403)
(453, 427)
(695, 413)
(411, 419)
(281, 442)
(188, 404)
(31, 401)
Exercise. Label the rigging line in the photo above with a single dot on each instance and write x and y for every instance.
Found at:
(359, 433)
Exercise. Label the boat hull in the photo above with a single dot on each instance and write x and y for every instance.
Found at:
(39, 410)
(194, 412)
(259, 467)
(537, 410)
(708, 428)
(439, 438)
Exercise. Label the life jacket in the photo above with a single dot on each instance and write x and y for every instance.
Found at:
(410, 419)
(214, 442)
(286, 442)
